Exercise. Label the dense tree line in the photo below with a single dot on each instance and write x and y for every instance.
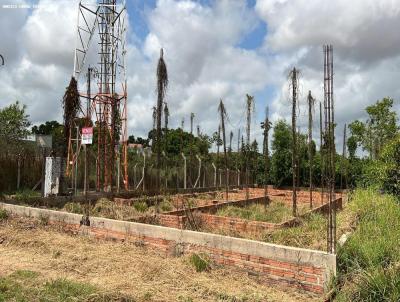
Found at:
(373, 148)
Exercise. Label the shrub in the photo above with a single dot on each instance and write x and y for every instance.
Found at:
(25, 194)
(201, 262)
(166, 206)
(74, 207)
(3, 214)
(391, 158)
(140, 206)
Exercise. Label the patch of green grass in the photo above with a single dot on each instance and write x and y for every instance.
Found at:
(310, 233)
(223, 297)
(275, 212)
(201, 262)
(25, 194)
(67, 290)
(24, 285)
(3, 214)
(166, 206)
(140, 206)
(369, 262)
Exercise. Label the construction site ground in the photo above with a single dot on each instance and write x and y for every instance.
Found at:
(119, 271)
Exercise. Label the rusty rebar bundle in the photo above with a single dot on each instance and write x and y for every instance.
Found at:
(311, 102)
(330, 146)
(294, 83)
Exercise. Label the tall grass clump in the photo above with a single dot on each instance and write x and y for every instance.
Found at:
(3, 214)
(369, 262)
(275, 212)
(201, 262)
(311, 233)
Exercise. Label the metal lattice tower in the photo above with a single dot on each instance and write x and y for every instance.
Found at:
(101, 28)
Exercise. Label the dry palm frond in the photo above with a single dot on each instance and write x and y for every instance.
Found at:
(71, 105)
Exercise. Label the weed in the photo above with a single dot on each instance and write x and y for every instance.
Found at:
(184, 299)
(275, 212)
(368, 263)
(140, 206)
(147, 296)
(74, 207)
(65, 289)
(24, 285)
(56, 254)
(43, 219)
(25, 194)
(165, 206)
(201, 262)
(3, 214)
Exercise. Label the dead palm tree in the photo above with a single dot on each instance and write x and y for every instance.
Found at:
(162, 84)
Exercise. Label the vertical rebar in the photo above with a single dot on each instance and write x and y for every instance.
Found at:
(310, 155)
(223, 113)
(294, 75)
(249, 103)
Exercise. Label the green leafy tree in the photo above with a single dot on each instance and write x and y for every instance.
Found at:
(281, 161)
(14, 125)
(380, 128)
(56, 130)
(391, 164)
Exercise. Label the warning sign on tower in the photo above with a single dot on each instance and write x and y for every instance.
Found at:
(87, 135)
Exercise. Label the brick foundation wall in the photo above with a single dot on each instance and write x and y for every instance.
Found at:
(213, 208)
(273, 264)
(233, 224)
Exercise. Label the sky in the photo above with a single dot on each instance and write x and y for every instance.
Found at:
(213, 50)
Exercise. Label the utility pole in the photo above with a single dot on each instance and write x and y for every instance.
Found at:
(311, 101)
(294, 78)
(223, 113)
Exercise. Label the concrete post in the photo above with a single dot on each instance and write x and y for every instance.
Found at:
(198, 177)
(215, 175)
(184, 170)
(19, 172)
(134, 175)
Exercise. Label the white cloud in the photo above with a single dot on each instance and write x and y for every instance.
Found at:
(366, 52)
(205, 62)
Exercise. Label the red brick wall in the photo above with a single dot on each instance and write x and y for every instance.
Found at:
(235, 224)
(273, 264)
(269, 271)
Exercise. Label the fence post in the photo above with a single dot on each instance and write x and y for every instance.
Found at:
(184, 170)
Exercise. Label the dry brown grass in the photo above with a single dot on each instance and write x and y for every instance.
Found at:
(122, 267)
